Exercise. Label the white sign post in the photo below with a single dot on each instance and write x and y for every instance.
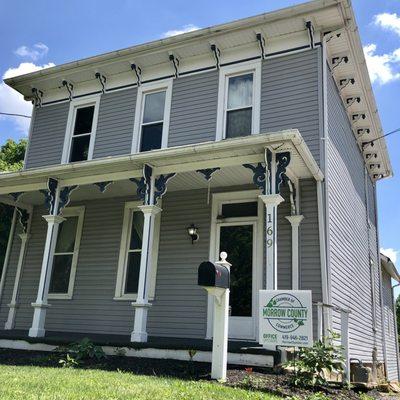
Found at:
(285, 318)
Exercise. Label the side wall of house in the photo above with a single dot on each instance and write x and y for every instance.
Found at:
(289, 99)
(351, 244)
(390, 328)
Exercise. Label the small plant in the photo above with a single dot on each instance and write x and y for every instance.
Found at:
(86, 350)
(120, 352)
(310, 367)
(192, 353)
(68, 362)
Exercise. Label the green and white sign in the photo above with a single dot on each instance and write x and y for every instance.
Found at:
(286, 318)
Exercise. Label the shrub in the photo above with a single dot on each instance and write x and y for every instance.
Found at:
(86, 350)
(68, 362)
(312, 362)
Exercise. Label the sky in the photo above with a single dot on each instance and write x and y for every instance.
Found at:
(36, 34)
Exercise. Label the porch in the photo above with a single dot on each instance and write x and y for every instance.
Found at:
(167, 308)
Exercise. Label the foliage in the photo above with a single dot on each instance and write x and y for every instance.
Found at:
(32, 383)
(120, 352)
(86, 350)
(312, 362)
(316, 396)
(12, 155)
(68, 362)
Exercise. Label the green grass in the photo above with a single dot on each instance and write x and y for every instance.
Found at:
(42, 383)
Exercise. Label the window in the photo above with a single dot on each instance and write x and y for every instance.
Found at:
(152, 116)
(131, 252)
(66, 254)
(81, 130)
(239, 100)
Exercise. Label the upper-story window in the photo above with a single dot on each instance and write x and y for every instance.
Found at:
(239, 100)
(152, 116)
(81, 130)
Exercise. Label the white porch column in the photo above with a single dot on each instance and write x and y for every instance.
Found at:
(10, 323)
(41, 305)
(295, 221)
(271, 202)
(142, 304)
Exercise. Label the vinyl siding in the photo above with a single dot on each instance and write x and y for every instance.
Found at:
(115, 123)
(193, 116)
(47, 138)
(390, 326)
(349, 241)
(290, 96)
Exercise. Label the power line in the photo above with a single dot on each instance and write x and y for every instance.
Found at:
(15, 115)
(383, 136)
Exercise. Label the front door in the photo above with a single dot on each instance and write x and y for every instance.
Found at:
(237, 239)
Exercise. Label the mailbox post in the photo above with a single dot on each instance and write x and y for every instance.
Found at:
(215, 279)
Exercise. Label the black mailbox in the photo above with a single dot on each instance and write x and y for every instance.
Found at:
(213, 275)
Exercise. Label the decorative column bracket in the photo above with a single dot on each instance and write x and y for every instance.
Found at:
(103, 185)
(259, 175)
(282, 162)
(217, 54)
(50, 194)
(161, 186)
(70, 88)
(293, 195)
(37, 97)
(102, 79)
(138, 72)
(23, 218)
(144, 184)
(65, 197)
(16, 195)
(208, 172)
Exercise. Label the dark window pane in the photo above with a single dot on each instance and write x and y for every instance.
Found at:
(248, 209)
(66, 235)
(132, 272)
(80, 148)
(83, 120)
(154, 107)
(237, 241)
(60, 274)
(151, 137)
(240, 91)
(238, 123)
(137, 231)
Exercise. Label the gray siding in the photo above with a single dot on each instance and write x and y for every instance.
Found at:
(389, 328)
(48, 133)
(350, 246)
(289, 96)
(193, 109)
(115, 123)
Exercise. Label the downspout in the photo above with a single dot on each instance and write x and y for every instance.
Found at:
(8, 252)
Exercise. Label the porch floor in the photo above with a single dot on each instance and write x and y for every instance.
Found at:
(154, 342)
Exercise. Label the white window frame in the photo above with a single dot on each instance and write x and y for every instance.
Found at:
(75, 104)
(143, 90)
(80, 213)
(120, 294)
(225, 73)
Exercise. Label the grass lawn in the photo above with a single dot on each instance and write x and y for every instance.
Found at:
(28, 382)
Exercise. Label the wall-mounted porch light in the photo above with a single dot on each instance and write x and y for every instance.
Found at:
(192, 232)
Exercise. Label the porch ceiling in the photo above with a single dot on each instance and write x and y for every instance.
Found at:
(229, 155)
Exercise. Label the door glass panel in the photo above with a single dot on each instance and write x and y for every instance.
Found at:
(237, 241)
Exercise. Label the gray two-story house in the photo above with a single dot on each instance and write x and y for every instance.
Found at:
(257, 137)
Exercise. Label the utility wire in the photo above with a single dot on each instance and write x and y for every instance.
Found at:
(15, 115)
(381, 137)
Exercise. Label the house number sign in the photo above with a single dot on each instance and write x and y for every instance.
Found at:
(270, 231)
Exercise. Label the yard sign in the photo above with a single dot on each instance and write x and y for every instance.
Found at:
(285, 318)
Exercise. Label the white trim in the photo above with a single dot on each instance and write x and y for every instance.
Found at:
(234, 70)
(123, 252)
(80, 213)
(32, 122)
(237, 197)
(144, 89)
(74, 105)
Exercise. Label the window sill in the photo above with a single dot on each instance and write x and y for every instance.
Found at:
(59, 296)
(129, 298)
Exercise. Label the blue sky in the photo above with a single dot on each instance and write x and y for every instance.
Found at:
(43, 32)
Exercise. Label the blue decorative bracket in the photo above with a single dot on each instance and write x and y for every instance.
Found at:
(65, 197)
(161, 186)
(103, 185)
(282, 161)
(208, 172)
(50, 194)
(258, 175)
(16, 195)
(144, 184)
(23, 218)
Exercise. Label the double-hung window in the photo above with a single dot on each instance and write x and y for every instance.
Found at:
(66, 253)
(239, 100)
(81, 130)
(152, 116)
(131, 252)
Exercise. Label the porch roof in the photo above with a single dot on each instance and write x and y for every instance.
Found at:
(226, 153)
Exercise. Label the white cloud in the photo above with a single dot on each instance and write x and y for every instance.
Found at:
(35, 52)
(382, 68)
(388, 21)
(13, 102)
(185, 29)
(391, 253)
